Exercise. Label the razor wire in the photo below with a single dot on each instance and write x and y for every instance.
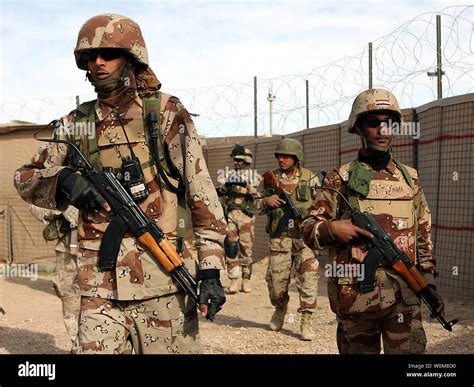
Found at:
(402, 60)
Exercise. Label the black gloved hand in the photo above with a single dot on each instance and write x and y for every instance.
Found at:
(79, 192)
(211, 292)
(439, 301)
(220, 191)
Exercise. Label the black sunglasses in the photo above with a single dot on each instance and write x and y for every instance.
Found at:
(374, 122)
(104, 53)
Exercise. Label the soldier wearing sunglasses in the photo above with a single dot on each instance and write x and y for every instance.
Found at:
(135, 307)
(391, 191)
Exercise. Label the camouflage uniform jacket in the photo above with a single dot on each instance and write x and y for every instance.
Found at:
(402, 211)
(236, 196)
(137, 275)
(298, 187)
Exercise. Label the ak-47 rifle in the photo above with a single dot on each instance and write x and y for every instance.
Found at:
(291, 212)
(127, 216)
(380, 247)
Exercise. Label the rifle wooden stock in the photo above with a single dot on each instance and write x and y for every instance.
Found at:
(270, 179)
(381, 246)
(158, 252)
(411, 276)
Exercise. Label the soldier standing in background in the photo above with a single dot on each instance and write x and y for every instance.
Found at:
(239, 188)
(287, 247)
(135, 307)
(392, 193)
(62, 227)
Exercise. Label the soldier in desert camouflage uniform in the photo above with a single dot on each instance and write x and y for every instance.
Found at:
(135, 307)
(287, 248)
(62, 227)
(391, 191)
(239, 188)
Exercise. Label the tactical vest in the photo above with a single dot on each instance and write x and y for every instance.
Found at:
(238, 198)
(85, 114)
(391, 202)
(301, 198)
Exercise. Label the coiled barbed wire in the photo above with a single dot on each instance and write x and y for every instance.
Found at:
(401, 62)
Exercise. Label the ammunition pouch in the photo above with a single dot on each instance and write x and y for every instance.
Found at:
(56, 228)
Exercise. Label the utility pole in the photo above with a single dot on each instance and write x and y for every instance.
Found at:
(307, 104)
(370, 65)
(439, 70)
(270, 99)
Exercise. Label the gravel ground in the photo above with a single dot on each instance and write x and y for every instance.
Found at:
(33, 322)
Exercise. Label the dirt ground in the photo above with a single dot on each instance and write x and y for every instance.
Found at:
(33, 322)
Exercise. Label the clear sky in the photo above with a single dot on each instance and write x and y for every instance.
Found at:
(191, 44)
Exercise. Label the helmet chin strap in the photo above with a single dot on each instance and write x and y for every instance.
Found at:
(113, 79)
(372, 147)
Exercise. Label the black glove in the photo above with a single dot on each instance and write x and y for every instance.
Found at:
(439, 301)
(211, 292)
(78, 192)
(220, 191)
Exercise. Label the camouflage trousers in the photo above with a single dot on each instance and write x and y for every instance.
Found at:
(285, 252)
(240, 229)
(401, 330)
(160, 325)
(68, 291)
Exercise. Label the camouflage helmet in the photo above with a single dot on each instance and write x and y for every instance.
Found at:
(241, 153)
(373, 100)
(111, 31)
(290, 146)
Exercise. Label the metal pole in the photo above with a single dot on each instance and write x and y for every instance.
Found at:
(255, 129)
(255, 107)
(439, 70)
(370, 65)
(307, 104)
(439, 67)
(9, 233)
(270, 99)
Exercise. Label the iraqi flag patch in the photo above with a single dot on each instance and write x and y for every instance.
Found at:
(382, 102)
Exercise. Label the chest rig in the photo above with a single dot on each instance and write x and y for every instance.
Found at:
(301, 198)
(238, 197)
(158, 155)
(390, 201)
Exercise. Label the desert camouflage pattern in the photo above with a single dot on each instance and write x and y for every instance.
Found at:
(111, 31)
(298, 187)
(64, 282)
(67, 290)
(239, 207)
(285, 252)
(401, 330)
(137, 276)
(236, 196)
(373, 100)
(164, 325)
(403, 213)
(240, 229)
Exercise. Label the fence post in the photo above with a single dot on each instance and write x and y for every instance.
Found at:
(370, 65)
(9, 233)
(255, 127)
(307, 104)
(439, 70)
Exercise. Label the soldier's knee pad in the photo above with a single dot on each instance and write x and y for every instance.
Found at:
(231, 248)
